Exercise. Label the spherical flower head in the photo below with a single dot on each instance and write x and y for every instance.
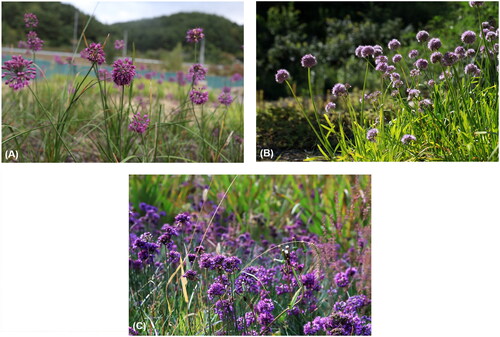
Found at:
(407, 139)
(30, 20)
(191, 275)
(415, 72)
(367, 51)
(195, 35)
(381, 59)
(94, 53)
(236, 77)
(412, 93)
(33, 41)
(413, 53)
(341, 280)
(372, 134)
(449, 59)
(461, 52)
(123, 72)
(378, 50)
(395, 76)
(431, 83)
(310, 281)
(173, 256)
(119, 44)
(468, 37)
(329, 106)
(382, 66)
(308, 61)
(476, 3)
(394, 44)
(264, 305)
(434, 44)
(339, 90)
(198, 96)
(390, 68)
(470, 52)
(396, 58)
(197, 72)
(357, 52)
(18, 72)
(225, 98)
(216, 289)
(282, 75)
(436, 57)
(231, 264)
(490, 36)
(425, 103)
(422, 64)
(422, 36)
(139, 123)
(472, 69)
(397, 84)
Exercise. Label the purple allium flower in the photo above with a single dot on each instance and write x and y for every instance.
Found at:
(236, 77)
(197, 73)
(265, 318)
(308, 61)
(18, 72)
(367, 51)
(216, 289)
(33, 41)
(436, 57)
(449, 59)
(444, 75)
(311, 329)
(425, 103)
(470, 52)
(415, 72)
(358, 50)
(468, 37)
(310, 281)
(341, 280)
(195, 35)
(231, 264)
(490, 36)
(381, 59)
(472, 69)
(94, 53)
(183, 218)
(191, 257)
(191, 275)
(119, 44)
(408, 138)
(174, 256)
(413, 53)
(139, 123)
(412, 93)
(198, 96)
(371, 134)
(395, 77)
(422, 64)
(351, 271)
(225, 98)
(434, 44)
(132, 332)
(264, 305)
(397, 84)
(460, 51)
(394, 44)
(123, 72)
(396, 58)
(422, 36)
(329, 106)
(378, 50)
(223, 307)
(381, 67)
(30, 20)
(339, 90)
(476, 3)
(431, 83)
(282, 75)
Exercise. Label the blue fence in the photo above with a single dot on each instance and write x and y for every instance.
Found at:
(52, 68)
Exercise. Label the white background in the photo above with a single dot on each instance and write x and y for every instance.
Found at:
(64, 239)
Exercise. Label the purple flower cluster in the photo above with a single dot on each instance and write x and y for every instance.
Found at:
(408, 139)
(33, 41)
(372, 134)
(197, 73)
(139, 123)
(94, 53)
(225, 98)
(30, 20)
(198, 96)
(123, 72)
(119, 44)
(18, 72)
(195, 35)
(282, 75)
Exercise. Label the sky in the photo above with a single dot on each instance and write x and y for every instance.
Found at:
(121, 11)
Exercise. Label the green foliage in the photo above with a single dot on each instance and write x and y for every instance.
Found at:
(56, 21)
